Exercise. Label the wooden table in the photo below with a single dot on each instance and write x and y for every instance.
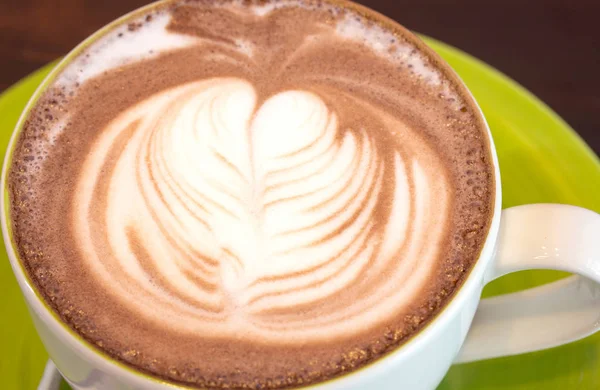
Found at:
(552, 47)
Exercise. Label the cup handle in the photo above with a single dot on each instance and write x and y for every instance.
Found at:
(540, 236)
(51, 378)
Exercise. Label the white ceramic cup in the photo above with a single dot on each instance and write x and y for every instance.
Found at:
(526, 237)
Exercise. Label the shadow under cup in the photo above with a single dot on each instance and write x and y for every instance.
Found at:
(431, 350)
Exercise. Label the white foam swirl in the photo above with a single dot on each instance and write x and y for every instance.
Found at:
(197, 207)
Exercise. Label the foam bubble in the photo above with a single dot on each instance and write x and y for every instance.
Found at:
(245, 47)
(56, 129)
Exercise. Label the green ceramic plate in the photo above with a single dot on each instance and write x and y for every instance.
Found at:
(541, 160)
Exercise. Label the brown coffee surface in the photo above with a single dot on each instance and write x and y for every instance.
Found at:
(288, 196)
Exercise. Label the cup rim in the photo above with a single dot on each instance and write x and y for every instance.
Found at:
(97, 357)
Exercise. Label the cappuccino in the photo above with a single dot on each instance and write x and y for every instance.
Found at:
(251, 194)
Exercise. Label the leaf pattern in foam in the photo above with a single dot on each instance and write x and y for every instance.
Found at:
(220, 205)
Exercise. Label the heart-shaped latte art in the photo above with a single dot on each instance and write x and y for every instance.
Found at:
(206, 205)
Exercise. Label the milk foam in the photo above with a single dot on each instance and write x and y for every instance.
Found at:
(272, 207)
(121, 46)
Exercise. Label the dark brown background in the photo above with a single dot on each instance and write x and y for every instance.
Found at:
(552, 47)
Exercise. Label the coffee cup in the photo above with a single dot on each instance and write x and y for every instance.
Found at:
(464, 328)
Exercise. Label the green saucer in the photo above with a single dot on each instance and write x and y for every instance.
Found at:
(541, 160)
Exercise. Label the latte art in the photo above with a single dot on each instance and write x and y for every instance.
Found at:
(270, 220)
(251, 194)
